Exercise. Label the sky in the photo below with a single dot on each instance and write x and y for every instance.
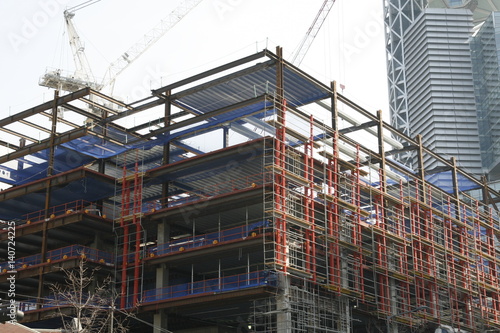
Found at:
(348, 49)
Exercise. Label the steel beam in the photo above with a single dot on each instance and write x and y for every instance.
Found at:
(211, 72)
(45, 106)
(203, 117)
(59, 179)
(223, 79)
(36, 126)
(241, 148)
(358, 128)
(44, 144)
(208, 300)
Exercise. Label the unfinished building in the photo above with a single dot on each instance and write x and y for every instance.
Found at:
(247, 198)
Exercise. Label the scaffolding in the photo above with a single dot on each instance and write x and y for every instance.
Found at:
(296, 218)
(130, 243)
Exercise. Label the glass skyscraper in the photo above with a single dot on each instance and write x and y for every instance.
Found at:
(433, 78)
(485, 48)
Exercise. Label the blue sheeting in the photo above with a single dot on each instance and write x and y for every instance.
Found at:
(34, 166)
(444, 181)
(95, 147)
(98, 148)
(298, 91)
(87, 188)
(238, 87)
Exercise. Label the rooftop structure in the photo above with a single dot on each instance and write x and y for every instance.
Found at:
(247, 198)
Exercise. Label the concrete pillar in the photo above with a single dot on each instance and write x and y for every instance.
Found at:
(392, 326)
(163, 232)
(160, 321)
(98, 243)
(162, 269)
(283, 316)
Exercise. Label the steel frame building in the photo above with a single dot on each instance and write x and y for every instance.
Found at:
(233, 206)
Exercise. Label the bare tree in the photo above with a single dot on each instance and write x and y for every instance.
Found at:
(92, 302)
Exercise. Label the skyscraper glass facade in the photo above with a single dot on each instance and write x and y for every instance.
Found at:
(440, 85)
(438, 88)
(485, 48)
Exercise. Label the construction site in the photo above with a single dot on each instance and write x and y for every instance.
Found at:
(250, 197)
(296, 219)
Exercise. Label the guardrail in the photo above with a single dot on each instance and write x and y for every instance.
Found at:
(64, 253)
(228, 283)
(217, 237)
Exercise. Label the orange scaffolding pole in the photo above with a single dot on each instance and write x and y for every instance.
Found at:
(357, 230)
(137, 208)
(280, 188)
(333, 216)
(125, 210)
(309, 206)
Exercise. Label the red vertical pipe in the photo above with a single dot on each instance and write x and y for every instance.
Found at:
(124, 266)
(124, 225)
(329, 208)
(358, 230)
(307, 212)
(310, 197)
(137, 210)
(402, 228)
(332, 246)
(280, 188)
(336, 210)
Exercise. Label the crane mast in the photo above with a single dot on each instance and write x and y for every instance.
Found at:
(83, 70)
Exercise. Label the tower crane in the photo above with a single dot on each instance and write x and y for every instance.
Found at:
(83, 70)
(313, 30)
(83, 76)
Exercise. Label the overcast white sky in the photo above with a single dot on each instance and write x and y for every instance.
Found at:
(348, 49)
